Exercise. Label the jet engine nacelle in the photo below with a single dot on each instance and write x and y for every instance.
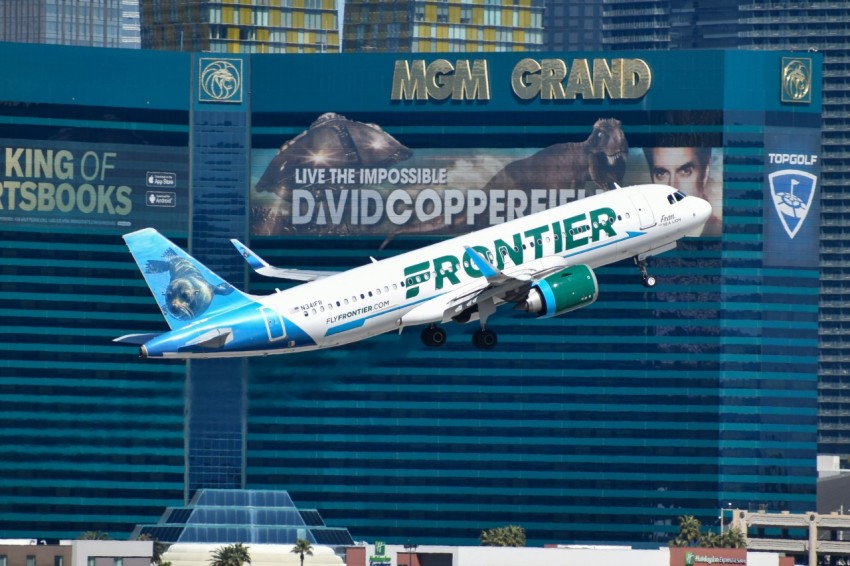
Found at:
(567, 290)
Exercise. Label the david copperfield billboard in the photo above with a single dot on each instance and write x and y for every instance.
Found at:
(355, 169)
(341, 177)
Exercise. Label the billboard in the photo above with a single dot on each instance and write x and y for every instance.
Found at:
(345, 177)
(791, 198)
(95, 185)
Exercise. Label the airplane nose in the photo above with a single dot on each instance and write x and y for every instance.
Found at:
(702, 212)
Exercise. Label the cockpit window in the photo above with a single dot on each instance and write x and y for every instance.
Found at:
(675, 197)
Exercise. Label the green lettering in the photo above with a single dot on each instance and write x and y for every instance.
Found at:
(556, 229)
(412, 285)
(469, 265)
(446, 268)
(536, 234)
(503, 249)
(601, 220)
(572, 229)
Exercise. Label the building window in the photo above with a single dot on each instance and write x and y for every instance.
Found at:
(2, 560)
(58, 561)
(30, 560)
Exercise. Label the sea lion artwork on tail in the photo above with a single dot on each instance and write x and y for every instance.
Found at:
(188, 294)
(601, 158)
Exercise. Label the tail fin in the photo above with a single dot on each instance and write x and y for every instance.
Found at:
(184, 287)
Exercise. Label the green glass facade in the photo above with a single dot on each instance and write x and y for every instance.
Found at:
(603, 425)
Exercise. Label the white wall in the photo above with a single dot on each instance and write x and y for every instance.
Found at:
(83, 549)
(497, 556)
(189, 554)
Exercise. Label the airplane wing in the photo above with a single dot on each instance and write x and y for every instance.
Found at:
(482, 297)
(262, 267)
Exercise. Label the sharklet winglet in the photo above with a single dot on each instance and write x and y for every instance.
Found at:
(485, 267)
(254, 261)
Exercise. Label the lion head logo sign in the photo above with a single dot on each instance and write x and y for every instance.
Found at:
(220, 80)
(796, 80)
(792, 192)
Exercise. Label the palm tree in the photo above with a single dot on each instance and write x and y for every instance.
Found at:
(302, 547)
(231, 555)
(93, 535)
(734, 538)
(159, 549)
(511, 535)
(689, 532)
(711, 540)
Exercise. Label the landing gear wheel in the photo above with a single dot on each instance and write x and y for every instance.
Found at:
(433, 336)
(646, 279)
(484, 339)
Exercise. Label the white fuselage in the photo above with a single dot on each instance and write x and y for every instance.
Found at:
(376, 297)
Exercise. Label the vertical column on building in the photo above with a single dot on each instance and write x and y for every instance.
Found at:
(216, 388)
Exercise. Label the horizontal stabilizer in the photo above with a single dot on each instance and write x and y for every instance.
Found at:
(262, 267)
(136, 339)
(213, 339)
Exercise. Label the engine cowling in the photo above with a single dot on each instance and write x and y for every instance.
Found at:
(567, 290)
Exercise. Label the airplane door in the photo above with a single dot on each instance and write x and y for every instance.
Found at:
(645, 215)
(274, 324)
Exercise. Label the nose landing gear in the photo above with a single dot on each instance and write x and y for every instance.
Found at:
(647, 280)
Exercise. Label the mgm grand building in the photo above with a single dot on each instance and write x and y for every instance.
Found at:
(600, 426)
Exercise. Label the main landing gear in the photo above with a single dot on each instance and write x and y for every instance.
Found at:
(484, 339)
(646, 279)
(434, 337)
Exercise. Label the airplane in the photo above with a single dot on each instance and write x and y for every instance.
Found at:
(542, 264)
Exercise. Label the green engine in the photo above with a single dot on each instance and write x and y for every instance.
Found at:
(569, 289)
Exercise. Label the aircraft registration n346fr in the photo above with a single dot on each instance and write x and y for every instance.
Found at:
(542, 263)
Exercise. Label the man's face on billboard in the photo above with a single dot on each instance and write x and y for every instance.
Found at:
(680, 167)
